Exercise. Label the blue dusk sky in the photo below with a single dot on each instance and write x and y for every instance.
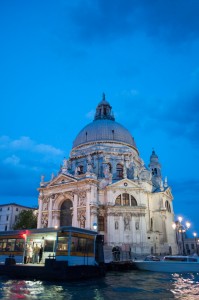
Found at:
(58, 57)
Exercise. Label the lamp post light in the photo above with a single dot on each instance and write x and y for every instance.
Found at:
(95, 226)
(196, 246)
(180, 231)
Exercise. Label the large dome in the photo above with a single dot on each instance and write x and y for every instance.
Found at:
(104, 129)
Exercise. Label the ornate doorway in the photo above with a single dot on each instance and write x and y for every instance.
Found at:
(66, 213)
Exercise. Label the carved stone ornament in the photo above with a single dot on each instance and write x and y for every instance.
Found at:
(44, 220)
(81, 216)
(45, 204)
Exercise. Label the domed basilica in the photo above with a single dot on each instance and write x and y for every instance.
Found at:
(104, 182)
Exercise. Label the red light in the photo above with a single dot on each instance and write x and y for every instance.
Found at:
(23, 235)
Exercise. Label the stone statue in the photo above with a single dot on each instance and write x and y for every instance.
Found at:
(126, 224)
(65, 163)
(89, 168)
(106, 171)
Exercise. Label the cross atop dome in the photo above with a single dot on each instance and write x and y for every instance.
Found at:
(103, 110)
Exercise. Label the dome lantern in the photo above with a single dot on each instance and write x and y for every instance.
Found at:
(103, 110)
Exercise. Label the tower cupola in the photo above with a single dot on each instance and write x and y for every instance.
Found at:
(103, 110)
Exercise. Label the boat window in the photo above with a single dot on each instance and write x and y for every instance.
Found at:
(177, 258)
(192, 259)
(19, 245)
(62, 244)
(3, 245)
(12, 244)
(83, 245)
(49, 246)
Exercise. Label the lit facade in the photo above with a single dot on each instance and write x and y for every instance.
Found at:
(105, 181)
(9, 213)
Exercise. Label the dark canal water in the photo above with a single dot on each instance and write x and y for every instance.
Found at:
(132, 285)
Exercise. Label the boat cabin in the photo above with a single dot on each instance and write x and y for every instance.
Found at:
(77, 246)
(181, 258)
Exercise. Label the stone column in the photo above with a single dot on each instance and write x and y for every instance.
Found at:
(88, 200)
(74, 219)
(50, 206)
(40, 213)
(55, 219)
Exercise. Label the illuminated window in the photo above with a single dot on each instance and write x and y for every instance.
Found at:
(125, 197)
(126, 200)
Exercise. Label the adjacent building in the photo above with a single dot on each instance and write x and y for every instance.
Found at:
(9, 213)
(105, 183)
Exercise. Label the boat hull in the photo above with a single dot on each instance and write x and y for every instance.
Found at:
(58, 273)
(166, 266)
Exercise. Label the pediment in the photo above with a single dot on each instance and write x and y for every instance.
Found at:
(125, 183)
(62, 179)
(168, 193)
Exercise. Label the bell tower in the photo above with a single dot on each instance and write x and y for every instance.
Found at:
(155, 168)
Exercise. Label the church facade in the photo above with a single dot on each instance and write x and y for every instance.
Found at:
(105, 183)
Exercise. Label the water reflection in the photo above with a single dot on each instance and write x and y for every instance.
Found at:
(129, 285)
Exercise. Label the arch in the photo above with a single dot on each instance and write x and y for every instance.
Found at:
(116, 225)
(80, 170)
(66, 213)
(154, 171)
(118, 200)
(119, 171)
(110, 167)
(133, 201)
(168, 206)
(125, 198)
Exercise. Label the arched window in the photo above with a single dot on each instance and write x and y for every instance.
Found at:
(119, 171)
(110, 167)
(125, 198)
(116, 225)
(168, 206)
(154, 171)
(80, 170)
(101, 223)
(65, 213)
(133, 201)
(118, 200)
(151, 224)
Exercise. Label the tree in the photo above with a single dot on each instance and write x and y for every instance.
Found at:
(26, 220)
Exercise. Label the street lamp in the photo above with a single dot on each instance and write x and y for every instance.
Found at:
(95, 226)
(196, 246)
(181, 229)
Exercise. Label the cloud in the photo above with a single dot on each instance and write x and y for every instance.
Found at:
(90, 115)
(22, 162)
(174, 21)
(12, 160)
(26, 143)
(177, 117)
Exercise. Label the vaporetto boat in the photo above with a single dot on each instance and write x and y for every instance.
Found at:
(172, 264)
(68, 253)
